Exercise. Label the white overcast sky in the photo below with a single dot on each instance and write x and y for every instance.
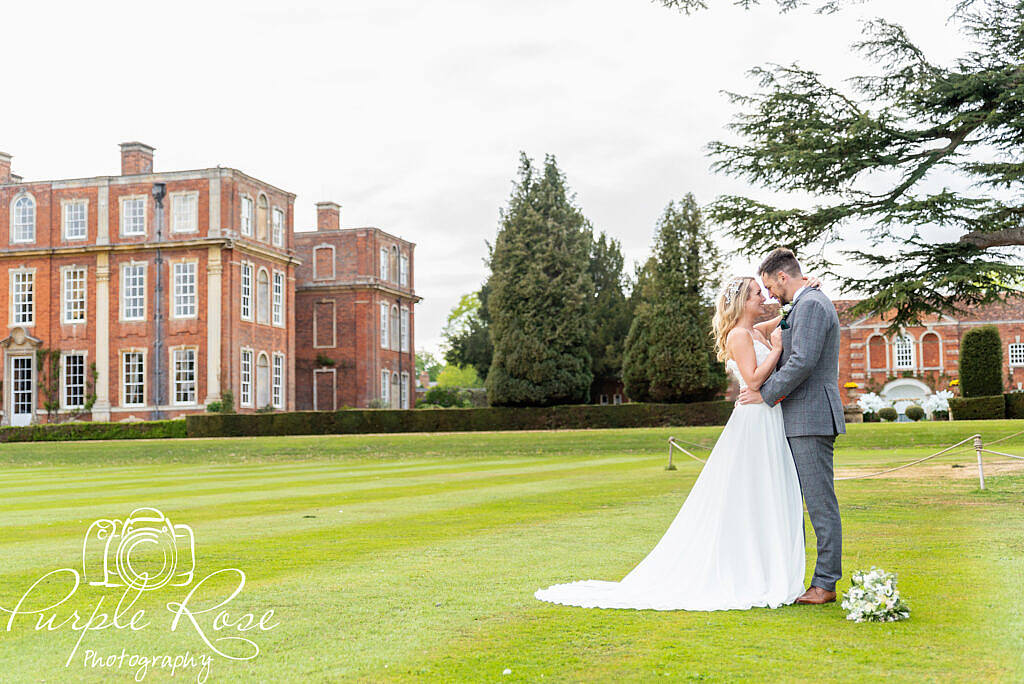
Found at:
(412, 114)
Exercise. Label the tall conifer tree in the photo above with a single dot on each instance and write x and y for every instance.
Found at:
(669, 354)
(539, 299)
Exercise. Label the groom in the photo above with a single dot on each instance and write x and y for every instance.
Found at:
(807, 383)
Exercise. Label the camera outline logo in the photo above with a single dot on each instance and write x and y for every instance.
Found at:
(110, 543)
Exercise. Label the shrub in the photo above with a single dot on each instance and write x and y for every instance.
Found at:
(981, 362)
(153, 429)
(1014, 405)
(872, 417)
(914, 413)
(360, 421)
(888, 414)
(214, 407)
(227, 401)
(978, 408)
(444, 396)
(940, 415)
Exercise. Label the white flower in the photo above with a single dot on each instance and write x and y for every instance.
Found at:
(873, 597)
(871, 403)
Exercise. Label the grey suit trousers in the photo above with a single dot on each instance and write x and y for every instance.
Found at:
(812, 455)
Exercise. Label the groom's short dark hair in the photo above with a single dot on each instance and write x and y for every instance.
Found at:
(781, 259)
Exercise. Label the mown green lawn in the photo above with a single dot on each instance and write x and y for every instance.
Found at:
(409, 557)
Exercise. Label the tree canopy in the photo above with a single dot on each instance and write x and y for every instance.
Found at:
(669, 354)
(872, 153)
(540, 291)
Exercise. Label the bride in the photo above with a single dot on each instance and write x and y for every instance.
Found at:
(738, 540)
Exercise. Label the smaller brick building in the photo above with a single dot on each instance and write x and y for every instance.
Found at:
(354, 317)
(924, 358)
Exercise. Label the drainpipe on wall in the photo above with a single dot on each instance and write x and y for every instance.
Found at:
(159, 191)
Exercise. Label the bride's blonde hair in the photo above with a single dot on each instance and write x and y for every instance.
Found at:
(728, 309)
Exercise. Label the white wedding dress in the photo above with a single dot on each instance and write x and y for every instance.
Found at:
(738, 540)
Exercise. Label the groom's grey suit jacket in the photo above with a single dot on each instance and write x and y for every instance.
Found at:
(807, 375)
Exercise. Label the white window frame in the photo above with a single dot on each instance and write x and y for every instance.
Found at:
(246, 367)
(19, 317)
(263, 298)
(1015, 354)
(78, 305)
(403, 323)
(277, 380)
(245, 286)
(68, 206)
(178, 355)
(247, 218)
(396, 328)
(403, 270)
(64, 376)
(185, 295)
(385, 257)
(385, 388)
(124, 215)
(404, 390)
(385, 315)
(906, 343)
(277, 298)
(277, 226)
(124, 377)
(124, 288)
(184, 219)
(17, 225)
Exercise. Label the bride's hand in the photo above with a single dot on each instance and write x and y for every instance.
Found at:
(812, 281)
(776, 338)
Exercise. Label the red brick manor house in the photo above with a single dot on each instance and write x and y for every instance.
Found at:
(149, 295)
(924, 358)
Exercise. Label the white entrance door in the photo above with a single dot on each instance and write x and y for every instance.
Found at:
(21, 390)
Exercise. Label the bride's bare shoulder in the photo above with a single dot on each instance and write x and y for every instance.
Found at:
(739, 338)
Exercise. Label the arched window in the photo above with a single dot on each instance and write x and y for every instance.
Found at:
(394, 262)
(394, 327)
(263, 219)
(263, 297)
(262, 380)
(395, 391)
(903, 353)
(23, 219)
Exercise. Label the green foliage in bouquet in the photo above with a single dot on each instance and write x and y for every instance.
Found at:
(873, 597)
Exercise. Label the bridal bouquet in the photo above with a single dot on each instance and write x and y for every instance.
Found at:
(873, 597)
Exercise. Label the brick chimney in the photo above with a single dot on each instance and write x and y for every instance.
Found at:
(328, 216)
(5, 168)
(136, 158)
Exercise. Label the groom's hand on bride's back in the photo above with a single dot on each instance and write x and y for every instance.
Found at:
(749, 396)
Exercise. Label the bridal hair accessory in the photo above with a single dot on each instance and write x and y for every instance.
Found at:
(733, 289)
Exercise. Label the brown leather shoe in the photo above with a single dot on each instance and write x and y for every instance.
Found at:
(815, 596)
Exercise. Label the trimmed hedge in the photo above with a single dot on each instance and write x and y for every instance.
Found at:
(360, 421)
(981, 362)
(1014, 404)
(978, 408)
(60, 432)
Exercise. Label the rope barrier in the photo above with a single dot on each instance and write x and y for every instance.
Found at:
(672, 443)
(907, 465)
(978, 447)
